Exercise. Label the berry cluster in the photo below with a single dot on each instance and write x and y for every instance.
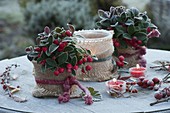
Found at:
(120, 61)
(70, 67)
(130, 87)
(150, 84)
(163, 93)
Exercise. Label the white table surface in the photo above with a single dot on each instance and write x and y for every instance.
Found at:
(137, 103)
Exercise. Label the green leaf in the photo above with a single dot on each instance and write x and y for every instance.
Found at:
(105, 23)
(50, 39)
(33, 54)
(53, 47)
(96, 96)
(62, 58)
(127, 36)
(102, 14)
(152, 26)
(89, 52)
(51, 62)
(123, 16)
(129, 22)
(71, 27)
(69, 49)
(135, 11)
(73, 72)
(123, 44)
(58, 29)
(141, 36)
(74, 60)
(131, 29)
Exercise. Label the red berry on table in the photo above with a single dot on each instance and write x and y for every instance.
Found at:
(68, 33)
(88, 68)
(121, 58)
(61, 70)
(89, 59)
(56, 73)
(158, 96)
(4, 87)
(140, 83)
(145, 81)
(168, 93)
(56, 41)
(156, 80)
(141, 78)
(150, 83)
(134, 91)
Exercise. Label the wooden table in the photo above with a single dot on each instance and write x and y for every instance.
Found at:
(137, 103)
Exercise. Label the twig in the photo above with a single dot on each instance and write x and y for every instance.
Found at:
(160, 101)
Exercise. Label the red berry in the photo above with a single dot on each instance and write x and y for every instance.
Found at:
(56, 41)
(120, 64)
(68, 33)
(82, 70)
(145, 81)
(168, 93)
(150, 83)
(69, 70)
(134, 91)
(116, 44)
(88, 68)
(56, 72)
(44, 49)
(75, 67)
(4, 87)
(156, 80)
(141, 78)
(151, 87)
(121, 58)
(158, 96)
(84, 60)
(80, 62)
(144, 86)
(148, 29)
(139, 42)
(54, 57)
(61, 70)
(37, 49)
(62, 45)
(69, 66)
(89, 59)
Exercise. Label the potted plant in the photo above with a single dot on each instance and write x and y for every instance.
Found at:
(56, 58)
(132, 29)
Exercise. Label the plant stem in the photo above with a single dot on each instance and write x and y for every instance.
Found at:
(160, 101)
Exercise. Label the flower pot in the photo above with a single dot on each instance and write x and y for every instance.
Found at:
(100, 44)
(47, 84)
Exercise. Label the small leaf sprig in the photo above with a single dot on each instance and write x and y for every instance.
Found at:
(162, 65)
(6, 85)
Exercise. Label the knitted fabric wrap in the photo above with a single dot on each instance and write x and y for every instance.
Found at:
(45, 90)
(100, 43)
